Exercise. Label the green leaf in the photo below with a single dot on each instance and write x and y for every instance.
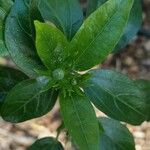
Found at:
(65, 14)
(5, 6)
(19, 36)
(133, 25)
(91, 6)
(27, 101)
(101, 2)
(50, 44)
(144, 86)
(99, 34)
(34, 14)
(47, 143)
(9, 77)
(115, 136)
(117, 96)
(80, 120)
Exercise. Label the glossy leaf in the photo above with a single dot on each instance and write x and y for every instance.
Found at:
(80, 120)
(5, 6)
(19, 36)
(117, 96)
(9, 77)
(50, 43)
(115, 136)
(144, 86)
(65, 14)
(27, 101)
(47, 143)
(133, 25)
(99, 34)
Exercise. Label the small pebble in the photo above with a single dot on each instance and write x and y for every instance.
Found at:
(147, 46)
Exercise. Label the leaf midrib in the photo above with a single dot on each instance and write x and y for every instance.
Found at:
(30, 99)
(110, 93)
(108, 109)
(80, 122)
(103, 28)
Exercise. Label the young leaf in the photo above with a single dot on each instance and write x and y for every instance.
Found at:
(144, 86)
(99, 34)
(133, 25)
(115, 136)
(27, 101)
(80, 120)
(5, 6)
(9, 77)
(117, 96)
(50, 44)
(65, 14)
(19, 37)
(47, 143)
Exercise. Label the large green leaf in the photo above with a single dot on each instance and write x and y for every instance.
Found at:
(65, 14)
(9, 77)
(5, 6)
(99, 34)
(80, 120)
(47, 143)
(19, 36)
(115, 136)
(144, 86)
(27, 100)
(133, 25)
(117, 96)
(50, 44)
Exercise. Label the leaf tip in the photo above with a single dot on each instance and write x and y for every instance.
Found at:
(37, 23)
